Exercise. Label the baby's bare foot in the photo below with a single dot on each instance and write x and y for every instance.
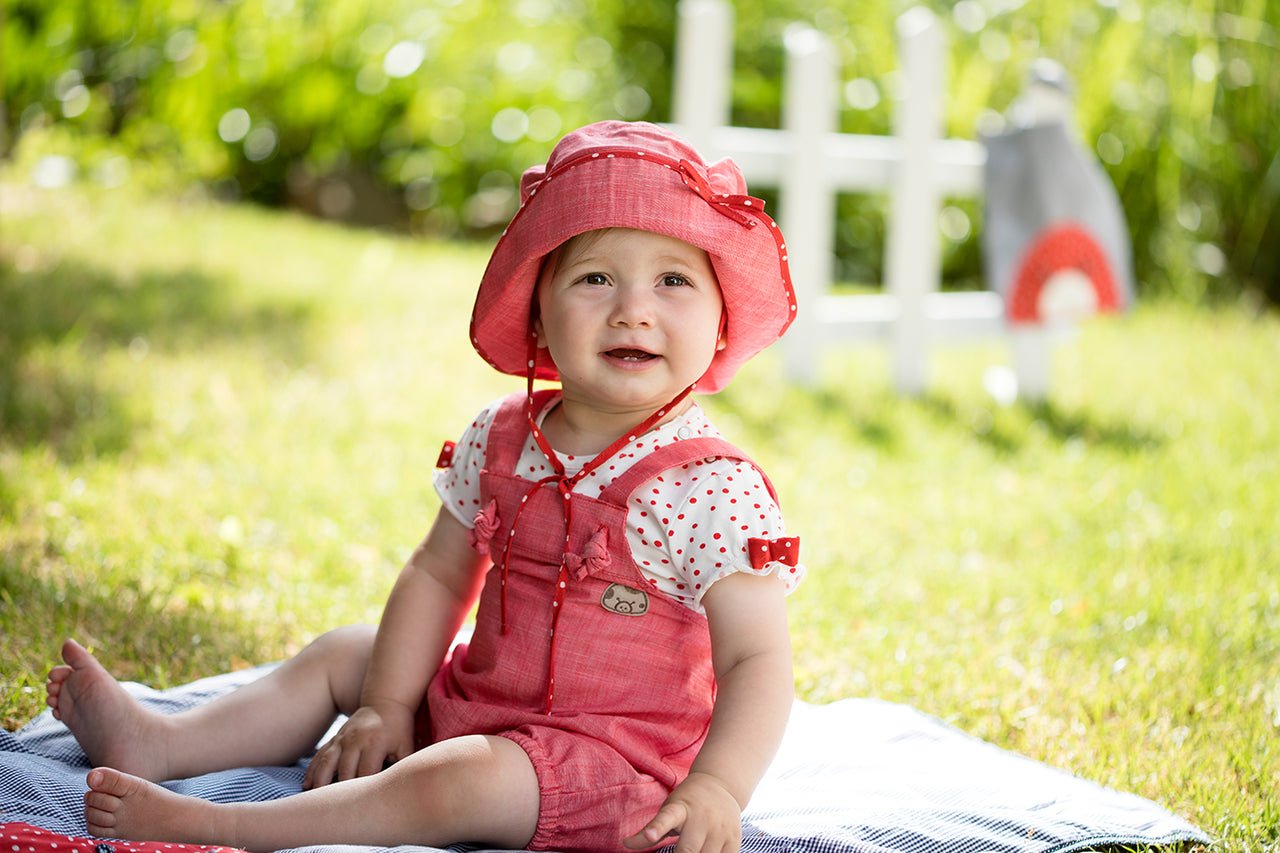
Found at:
(111, 727)
(118, 805)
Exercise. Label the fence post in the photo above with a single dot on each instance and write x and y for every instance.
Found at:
(1031, 351)
(704, 69)
(912, 243)
(807, 201)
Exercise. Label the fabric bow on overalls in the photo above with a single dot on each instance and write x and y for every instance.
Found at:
(485, 525)
(594, 557)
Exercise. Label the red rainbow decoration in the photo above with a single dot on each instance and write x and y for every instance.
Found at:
(1056, 249)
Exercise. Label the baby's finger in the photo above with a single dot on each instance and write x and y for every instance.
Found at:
(669, 819)
(320, 770)
(348, 763)
(371, 761)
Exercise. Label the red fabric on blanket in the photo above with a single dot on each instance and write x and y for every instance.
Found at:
(25, 838)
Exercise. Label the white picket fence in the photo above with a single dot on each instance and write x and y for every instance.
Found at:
(809, 163)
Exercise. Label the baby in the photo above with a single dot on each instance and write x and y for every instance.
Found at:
(629, 675)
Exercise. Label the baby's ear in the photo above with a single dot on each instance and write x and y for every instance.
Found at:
(540, 336)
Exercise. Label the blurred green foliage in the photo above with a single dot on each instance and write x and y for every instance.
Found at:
(323, 105)
(422, 113)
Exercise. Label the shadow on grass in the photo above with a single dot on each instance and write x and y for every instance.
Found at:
(138, 634)
(766, 419)
(58, 323)
(1007, 430)
(878, 419)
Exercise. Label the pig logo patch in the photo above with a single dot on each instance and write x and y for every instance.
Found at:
(624, 600)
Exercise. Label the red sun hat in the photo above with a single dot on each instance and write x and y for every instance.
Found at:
(616, 174)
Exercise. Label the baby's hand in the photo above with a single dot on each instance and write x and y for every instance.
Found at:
(375, 736)
(702, 812)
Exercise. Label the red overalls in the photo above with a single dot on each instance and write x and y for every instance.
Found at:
(633, 682)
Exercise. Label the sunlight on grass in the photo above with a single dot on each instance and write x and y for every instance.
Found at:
(220, 427)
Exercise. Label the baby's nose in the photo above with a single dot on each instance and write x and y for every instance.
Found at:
(633, 307)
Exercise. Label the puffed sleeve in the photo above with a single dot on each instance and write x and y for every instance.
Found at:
(457, 480)
(716, 526)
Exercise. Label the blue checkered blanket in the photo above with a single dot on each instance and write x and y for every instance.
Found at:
(855, 776)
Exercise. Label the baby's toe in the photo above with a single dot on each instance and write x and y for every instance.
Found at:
(102, 804)
(105, 780)
(99, 822)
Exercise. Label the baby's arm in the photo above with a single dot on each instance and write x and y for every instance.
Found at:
(430, 600)
(751, 650)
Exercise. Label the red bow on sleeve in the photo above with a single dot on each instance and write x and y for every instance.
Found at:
(765, 551)
(445, 459)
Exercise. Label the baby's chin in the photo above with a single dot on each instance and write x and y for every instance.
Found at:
(637, 402)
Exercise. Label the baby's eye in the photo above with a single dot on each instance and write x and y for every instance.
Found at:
(596, 278)
(674, 280)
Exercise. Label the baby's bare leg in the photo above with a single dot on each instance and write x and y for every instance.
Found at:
(477, 788)
(275, 720)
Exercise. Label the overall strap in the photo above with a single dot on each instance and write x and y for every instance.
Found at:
(674, 455)
(509, 429)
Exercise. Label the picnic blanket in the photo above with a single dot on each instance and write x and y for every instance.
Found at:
(854, 776)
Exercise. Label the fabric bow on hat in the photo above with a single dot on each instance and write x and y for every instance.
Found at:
(720, 202)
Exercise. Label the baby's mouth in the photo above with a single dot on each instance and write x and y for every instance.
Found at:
(631, 355)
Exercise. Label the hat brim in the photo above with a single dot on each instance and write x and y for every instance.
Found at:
(645, 193)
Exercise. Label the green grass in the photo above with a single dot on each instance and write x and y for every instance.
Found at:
(219, 426)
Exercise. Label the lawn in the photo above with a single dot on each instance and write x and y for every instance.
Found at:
(218, 427)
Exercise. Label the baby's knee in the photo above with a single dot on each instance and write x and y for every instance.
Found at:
(347, 637)
(483, 788)
(343, 648)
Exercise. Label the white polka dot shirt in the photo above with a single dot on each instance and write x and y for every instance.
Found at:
(687, 528)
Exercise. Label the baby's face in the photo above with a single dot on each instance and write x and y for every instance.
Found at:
(631, 318)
